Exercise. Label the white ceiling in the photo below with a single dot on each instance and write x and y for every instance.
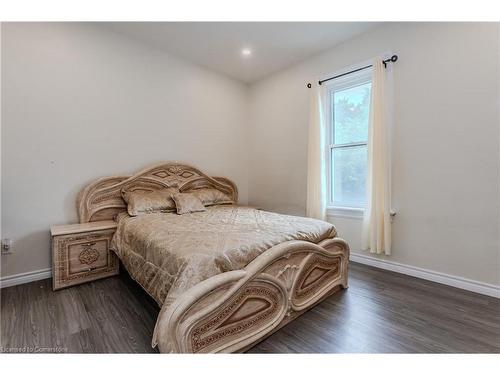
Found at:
(218, 45)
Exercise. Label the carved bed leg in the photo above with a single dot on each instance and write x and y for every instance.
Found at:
(232, 311)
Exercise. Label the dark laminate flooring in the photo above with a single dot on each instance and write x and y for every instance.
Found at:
(381, 312)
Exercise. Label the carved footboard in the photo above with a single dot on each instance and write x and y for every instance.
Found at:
(232, 311)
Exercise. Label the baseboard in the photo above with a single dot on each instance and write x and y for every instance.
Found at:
(422, 273)
(27, 277)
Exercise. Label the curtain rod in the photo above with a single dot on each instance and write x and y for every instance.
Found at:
(393, 58)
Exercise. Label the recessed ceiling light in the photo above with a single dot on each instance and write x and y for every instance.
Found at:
(246, 52)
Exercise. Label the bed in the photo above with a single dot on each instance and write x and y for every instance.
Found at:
(225, 278)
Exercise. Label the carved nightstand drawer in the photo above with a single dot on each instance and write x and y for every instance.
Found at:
(80, 253)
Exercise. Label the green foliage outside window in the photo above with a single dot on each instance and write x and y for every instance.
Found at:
(350, 117)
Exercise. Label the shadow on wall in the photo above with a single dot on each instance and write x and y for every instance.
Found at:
(70, 207)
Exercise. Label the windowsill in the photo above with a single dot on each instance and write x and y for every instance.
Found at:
(345, 212)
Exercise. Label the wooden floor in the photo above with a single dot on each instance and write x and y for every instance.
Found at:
(381, 312)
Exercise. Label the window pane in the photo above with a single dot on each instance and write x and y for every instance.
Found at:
(350, 114)
(348, 176)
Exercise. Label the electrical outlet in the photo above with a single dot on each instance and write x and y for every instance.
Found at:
(6, 246)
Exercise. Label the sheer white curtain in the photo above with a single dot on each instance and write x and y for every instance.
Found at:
(376, 233)
(316, 152)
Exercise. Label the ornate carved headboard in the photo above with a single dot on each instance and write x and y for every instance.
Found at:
(102, 199)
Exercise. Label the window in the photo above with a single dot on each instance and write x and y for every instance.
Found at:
(348, 111)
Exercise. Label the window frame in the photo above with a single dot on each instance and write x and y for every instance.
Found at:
(342, 83)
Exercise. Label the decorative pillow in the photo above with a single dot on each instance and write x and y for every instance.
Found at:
(142, 202)
(186, 202)
(209, 197)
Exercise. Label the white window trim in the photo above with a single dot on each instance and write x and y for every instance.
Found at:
(341, 83)
(345, 212)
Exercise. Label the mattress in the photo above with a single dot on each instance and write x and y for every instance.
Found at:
(168, 253)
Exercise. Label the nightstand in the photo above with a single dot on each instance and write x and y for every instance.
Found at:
(80, 253)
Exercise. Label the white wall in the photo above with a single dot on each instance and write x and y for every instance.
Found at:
(445, 143)
(80, 102)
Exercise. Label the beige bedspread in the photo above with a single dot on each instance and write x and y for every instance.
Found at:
(169, 253)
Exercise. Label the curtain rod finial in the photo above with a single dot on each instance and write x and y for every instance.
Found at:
(309, 85)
